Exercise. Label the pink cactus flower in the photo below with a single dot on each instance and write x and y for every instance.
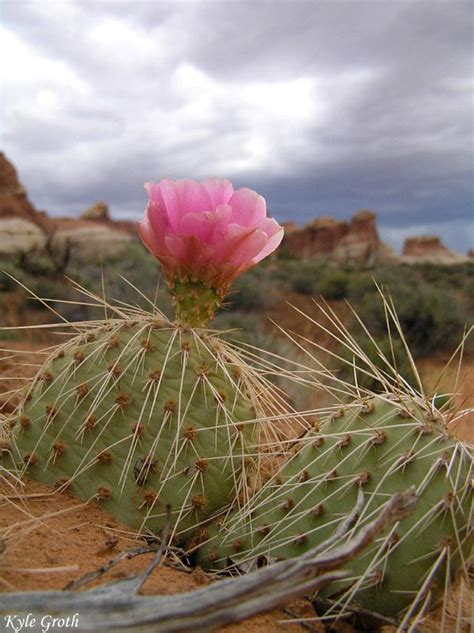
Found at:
(205, 232)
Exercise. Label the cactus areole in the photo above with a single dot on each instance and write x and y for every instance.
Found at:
(140, 415)
(379, 446)
(205, 235)
(144, 415)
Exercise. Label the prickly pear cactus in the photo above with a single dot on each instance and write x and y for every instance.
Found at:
(381, 446)
(140, 415)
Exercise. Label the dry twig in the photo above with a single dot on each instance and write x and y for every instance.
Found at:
(118, 607)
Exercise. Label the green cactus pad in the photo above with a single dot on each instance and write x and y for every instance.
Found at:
(381, 446)
(140, 415)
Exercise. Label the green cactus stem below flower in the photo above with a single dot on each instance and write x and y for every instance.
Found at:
(195, 303)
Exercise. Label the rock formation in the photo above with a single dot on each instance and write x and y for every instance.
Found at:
(289, 226)
(22, 228)
(341, 241)
(25, 230)
(98, 211)
(87, 239)
(429, 248)
(10, 186)
(19, 237)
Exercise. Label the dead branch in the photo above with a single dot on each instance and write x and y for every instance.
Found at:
(117, 607)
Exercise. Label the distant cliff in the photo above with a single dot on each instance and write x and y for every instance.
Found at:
(340, 241)
(24, 229)
(429, 248)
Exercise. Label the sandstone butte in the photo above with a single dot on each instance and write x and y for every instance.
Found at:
(24, 229)
(430, 247)
(339, 241)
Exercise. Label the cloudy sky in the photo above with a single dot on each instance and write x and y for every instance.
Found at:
(323, 106)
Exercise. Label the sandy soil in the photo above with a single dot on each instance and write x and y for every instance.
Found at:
(451, 378)
(52, 539)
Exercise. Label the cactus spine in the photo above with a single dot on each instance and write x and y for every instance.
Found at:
(379, 446)
(140, 415)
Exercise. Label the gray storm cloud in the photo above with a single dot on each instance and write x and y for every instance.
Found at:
(323, 107)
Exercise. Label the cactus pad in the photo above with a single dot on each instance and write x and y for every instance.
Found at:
(140, 415)
(381, 446)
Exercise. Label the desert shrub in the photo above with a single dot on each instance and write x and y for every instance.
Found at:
(239, 325)
(248, 329)
(283, 254)
(303, 284)
(443, 277)
(334, 284)
(458, 277)
(359, 286)
(430, 272)
(403, 280)
(301, 276)
(319, 279)
(429, 319)
(251, 292)
(249, 332)
(362, 283)
(360, 372)
(9, 335)
(136, 265)
(469, 294)
(50, 287)
(36, 264)
(9, 272)
(134, 254)
(53, 289)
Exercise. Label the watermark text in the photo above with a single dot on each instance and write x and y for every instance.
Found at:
(46, 623)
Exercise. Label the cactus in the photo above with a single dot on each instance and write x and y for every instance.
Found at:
(164, 422)
(152, 419)
(140, 414)
(380, 446)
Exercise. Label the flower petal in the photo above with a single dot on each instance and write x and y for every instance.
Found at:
(270, 226)
(179, 197)
(241, 243)
(248, 208)
(153, 191)
(196, 224)
(206, 231)
(249, 248)
(158, 220)
(188, 251)
(149, 238)
(220, 190)
(192, 197)
(204, 225)
(273, 242)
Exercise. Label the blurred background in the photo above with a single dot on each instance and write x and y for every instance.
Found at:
(353, 118)
(322, 106)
